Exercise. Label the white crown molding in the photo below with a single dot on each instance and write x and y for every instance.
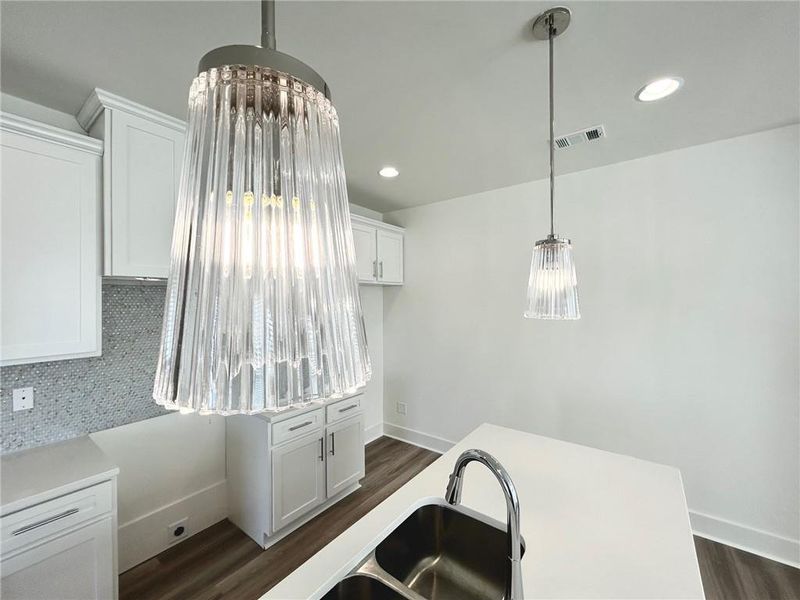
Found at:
(16, 124)
(375, 223)
(101, 100)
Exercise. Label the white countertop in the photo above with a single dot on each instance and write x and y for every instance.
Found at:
(596, 524)
(31, 476)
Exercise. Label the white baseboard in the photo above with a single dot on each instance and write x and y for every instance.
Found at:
(749, 539)
(373, 433)
(146, 536)
(417, 438)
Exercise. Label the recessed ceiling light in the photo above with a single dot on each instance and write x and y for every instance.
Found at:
(388, 172)
(658, 89)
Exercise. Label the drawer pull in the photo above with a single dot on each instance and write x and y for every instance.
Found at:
(44, 522)
(351, 407)
(300, 426)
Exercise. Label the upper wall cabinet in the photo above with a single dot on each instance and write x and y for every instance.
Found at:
(379, 251)
(49, 243)
(141, 167)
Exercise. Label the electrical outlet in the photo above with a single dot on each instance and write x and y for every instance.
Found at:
(178, 530)
(401, 408)
(23, 398)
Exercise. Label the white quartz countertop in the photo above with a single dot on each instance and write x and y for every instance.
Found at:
(31, 476)
(597, 525)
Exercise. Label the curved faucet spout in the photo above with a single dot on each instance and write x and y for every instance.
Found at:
(453, 496)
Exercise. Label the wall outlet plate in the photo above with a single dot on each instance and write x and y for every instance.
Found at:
(402, 408)
(178, 530)
(23, 398)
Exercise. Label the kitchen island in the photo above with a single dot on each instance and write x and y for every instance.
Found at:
(595, 524)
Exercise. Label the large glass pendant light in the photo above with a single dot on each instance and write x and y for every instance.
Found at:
(552, 285)
(262, 310)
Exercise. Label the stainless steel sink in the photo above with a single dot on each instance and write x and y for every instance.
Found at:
(446, 551)
(361, 587)
(439, 552)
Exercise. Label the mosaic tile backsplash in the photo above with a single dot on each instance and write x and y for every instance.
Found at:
(76, 397)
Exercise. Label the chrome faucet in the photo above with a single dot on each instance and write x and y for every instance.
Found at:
(453, 496)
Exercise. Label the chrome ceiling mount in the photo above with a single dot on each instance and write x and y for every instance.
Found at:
(560, 16)
(264, 55)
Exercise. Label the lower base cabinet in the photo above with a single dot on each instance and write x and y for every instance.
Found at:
(284, 468)
(298, 479)
(345, 464)
(75, 566)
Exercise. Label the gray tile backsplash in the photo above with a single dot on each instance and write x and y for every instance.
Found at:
(76, 397)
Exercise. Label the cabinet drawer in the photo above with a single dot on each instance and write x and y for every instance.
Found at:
(342, 409)
(293, 428)
(44, 520)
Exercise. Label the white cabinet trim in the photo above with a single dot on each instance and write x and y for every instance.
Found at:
(376, 224)
(48, 133)
(101, 99)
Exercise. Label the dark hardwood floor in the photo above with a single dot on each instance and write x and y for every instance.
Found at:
(223, 563)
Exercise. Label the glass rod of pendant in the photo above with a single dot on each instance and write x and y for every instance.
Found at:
(263, 310)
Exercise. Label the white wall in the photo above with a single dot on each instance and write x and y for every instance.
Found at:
(171, 467)
(687, 352)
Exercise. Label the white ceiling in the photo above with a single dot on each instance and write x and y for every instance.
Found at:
(454, 94)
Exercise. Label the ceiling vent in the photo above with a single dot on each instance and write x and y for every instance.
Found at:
(589, 134)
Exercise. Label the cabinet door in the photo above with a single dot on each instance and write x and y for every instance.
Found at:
(49, 250)
(390, 257)
(75, 566)
(345, 464)
(145, 169)
(298, 479)
(366, 251)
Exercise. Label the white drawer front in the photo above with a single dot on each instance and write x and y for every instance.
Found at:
(342, 409)
(44, 520)
(293, 428)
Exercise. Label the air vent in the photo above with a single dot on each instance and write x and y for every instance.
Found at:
(579, 137)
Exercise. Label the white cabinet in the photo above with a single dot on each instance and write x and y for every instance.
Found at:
(366, 245)
(282, 469)
(298, 479)
(76, 566)
(142, 164)
(379, 251)
(345, 464)
(49, 243)
(58, 523)
(390, 256)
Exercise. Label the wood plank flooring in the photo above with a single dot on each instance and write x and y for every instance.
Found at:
(223, 563)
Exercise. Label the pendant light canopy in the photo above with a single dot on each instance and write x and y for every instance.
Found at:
(262, 310)
(552, 285)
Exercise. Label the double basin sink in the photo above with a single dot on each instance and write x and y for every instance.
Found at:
(437, 553)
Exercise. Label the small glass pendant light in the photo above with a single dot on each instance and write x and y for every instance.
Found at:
(552, 286)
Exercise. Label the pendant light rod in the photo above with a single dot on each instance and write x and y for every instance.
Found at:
(268, 24)
(548, 26)
(550, 35)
